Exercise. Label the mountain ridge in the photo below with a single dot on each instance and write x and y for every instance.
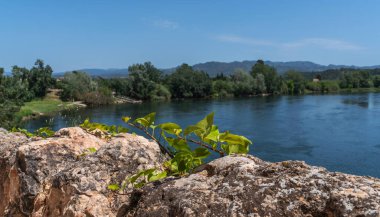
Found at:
(216, 67)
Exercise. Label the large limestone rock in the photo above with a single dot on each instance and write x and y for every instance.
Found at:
(49, 177)
(248, 186)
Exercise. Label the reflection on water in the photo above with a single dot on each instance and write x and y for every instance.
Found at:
(340, 132)
(360, 101)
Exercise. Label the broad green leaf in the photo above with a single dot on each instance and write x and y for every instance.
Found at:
(207, 122)
(113, 187)
(201, 153)
(92, 150)
(234, 149)
(121, 129)
(233, 138)
(147, 120)
(213, 135)
(85, 124)
(142, 121)
(126, 119)
(236, 144)
(190, 129)
(149, 171)
(135, 177)
(202, 127)
(180, 145)
(157, 176)
(171, 128)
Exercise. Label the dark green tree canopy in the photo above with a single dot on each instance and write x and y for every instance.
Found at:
(186, 82)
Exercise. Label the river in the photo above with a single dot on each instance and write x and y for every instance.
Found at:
(339, 132)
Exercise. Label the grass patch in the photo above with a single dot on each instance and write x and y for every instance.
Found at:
(44, 106)
(49, 105)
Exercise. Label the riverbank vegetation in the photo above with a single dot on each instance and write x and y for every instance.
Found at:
(26, 91)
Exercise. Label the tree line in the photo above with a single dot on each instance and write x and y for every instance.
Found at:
(23, 86)
(146, 82)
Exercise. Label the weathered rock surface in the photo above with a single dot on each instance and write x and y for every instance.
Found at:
(248, 186)
(48, 177)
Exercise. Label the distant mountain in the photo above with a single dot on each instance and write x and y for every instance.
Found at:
(213, 68)
(105, 73)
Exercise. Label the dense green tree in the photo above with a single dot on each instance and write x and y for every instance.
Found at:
(40, 78)
(355, 79)
(260, 84)
(376, 81)
(80, 86)
(296, 82)
(243, 83)
(1, 74)
(148, 70)
(160, 93)
(141, 86)
(185, 82)
(269, 74)
(143, 80)
(75, 84)
(222, 88)
(121, 86)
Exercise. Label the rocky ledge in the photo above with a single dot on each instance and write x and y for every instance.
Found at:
(59, 177)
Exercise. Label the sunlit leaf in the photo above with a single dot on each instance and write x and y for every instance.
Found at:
(157, 176)
(202, 127)
(113, 187)
(171, 128)
(126, 119)
(147, 120)
(92, 150)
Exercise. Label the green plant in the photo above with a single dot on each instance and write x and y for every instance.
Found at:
(187, 147)
(98, 129)
(88, 151)
(43, 132)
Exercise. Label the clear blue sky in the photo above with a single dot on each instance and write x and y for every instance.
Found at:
(74, 34)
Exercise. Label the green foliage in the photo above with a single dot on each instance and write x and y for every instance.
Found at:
(146, 121)
(205, 135)
(376, 81)
(22, 86)
(243, 83)
(92, 150)
(296, 82)
(145, 176)
(102, 129)
(144, 80)
(355, 79)
(222, 88)
(113, 187)
(186, 82)
(81, 87)
(43, 132)
(160, 93)
(269, 75)
(88, 151)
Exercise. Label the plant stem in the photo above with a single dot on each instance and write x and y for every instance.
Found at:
(221, 153)
(163, 149)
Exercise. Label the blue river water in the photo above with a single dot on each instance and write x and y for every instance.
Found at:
(339, 132)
